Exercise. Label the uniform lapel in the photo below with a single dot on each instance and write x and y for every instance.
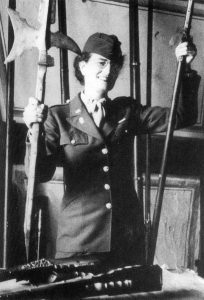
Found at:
(110, 120)
(108, 127)
(80, 118)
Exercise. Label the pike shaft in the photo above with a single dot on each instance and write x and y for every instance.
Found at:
(169, 136)
(42, 68)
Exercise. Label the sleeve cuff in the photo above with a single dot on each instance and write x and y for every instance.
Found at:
(190, 74)
(29, 137)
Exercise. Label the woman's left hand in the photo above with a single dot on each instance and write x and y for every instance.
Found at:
(186, 49)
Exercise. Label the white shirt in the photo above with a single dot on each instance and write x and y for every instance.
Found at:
(94, 108)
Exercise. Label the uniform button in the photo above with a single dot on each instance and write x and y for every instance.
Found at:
(106, 186)
(108, 205)
(104, 150)
(78, 111)
(73, 142)
(105, 168)
(81, 120)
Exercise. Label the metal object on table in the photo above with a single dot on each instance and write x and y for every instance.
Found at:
(82, 280)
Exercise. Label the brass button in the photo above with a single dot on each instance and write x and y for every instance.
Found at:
(105, 168)
(73, 142)
(81, 120)
(104, 150)
(107, 186)
(108, 205)
(78, 111)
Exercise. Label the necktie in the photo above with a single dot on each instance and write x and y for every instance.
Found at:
(97, 110)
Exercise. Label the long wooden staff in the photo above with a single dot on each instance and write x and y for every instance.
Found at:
(8, 162)
(28, 37)
(135, 87)
(42, 68)
(147, 202)
(64, 68)
(169, 135)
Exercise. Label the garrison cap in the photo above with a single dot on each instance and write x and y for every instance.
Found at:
(104, 44)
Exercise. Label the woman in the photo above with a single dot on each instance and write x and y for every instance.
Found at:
(100, 212)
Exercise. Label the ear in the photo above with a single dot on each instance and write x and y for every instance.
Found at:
(82, 67)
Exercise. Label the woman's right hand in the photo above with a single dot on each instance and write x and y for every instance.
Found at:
(34, 112)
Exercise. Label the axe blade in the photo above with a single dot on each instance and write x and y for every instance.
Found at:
(60, 40)
(25, 36)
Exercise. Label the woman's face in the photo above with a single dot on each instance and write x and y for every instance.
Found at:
(99, 73)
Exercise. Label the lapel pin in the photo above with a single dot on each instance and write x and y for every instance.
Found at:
(122, 120)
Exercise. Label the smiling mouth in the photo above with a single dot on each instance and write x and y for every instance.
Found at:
(104, 78)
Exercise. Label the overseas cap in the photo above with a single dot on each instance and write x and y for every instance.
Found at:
(104, 44)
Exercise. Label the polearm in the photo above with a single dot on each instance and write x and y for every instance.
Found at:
(42, 68)
(39, 36)
(64, 68)
(27, 37)
(135, 87)
(169, 135)
(50, 20)
(8, 154)
(147, 200)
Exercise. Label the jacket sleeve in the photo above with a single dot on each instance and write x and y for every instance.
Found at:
(47, 150)
(155, 119)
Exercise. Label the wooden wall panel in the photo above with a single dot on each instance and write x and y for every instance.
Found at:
(178, 235)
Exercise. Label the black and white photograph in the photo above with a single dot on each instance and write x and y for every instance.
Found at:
(101, 149)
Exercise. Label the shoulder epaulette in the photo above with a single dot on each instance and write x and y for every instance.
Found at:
(60, 105)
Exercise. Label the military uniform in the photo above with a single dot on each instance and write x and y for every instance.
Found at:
(100, 211)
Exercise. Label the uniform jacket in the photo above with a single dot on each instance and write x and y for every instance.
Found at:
(100, 211)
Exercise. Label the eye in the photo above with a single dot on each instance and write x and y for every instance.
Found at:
(102, 63)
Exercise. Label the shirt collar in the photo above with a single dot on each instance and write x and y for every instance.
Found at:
(90, 102)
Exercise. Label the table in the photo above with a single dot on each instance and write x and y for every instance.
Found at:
(177, 284)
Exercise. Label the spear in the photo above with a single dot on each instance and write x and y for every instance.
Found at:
(135, 87)
(169, 136)
(147, 200)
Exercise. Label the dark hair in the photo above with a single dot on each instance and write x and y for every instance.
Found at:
(83, 57)
(118, 61)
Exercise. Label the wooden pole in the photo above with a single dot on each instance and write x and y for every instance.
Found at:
(162, 175)
(169, 135)
(8, 165)
(147, 202)
(41, 72)
(64, 67)
(135, 88)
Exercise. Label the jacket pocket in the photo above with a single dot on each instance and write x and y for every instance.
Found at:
(73, 137)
